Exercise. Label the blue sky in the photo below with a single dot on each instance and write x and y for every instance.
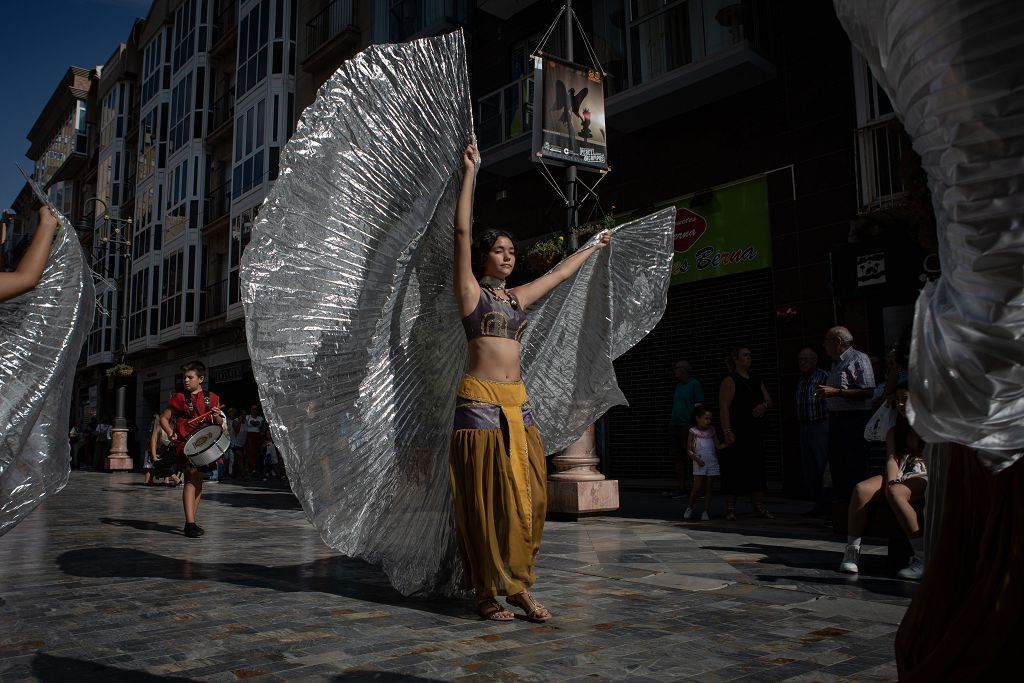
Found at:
(42, 39)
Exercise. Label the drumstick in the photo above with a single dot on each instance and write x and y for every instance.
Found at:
(199, 418)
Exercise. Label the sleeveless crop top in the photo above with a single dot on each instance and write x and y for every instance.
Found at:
(494, 317)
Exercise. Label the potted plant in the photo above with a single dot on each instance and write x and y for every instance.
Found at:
(545, 254)
(585, 232)
(120, 370)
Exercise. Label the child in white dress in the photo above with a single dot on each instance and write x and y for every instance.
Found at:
(702, 442)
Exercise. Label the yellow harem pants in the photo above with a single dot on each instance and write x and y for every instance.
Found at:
(499, 485)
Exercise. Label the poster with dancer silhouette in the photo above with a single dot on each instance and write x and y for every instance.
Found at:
(568, 114)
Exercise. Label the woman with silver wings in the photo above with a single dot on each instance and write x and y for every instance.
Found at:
(497, 467)
(354, 333)
(46, 310)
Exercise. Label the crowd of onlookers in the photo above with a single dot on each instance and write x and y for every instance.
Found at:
(859, 399)
(252, 455)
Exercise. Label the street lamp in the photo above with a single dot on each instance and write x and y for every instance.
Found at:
(119, 236)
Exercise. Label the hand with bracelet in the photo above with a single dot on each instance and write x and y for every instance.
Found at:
(827, 391)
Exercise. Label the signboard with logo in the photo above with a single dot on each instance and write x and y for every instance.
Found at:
(723, 232)
(568, 114)
(895, 271)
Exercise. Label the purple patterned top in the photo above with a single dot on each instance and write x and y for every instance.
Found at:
(495, 317)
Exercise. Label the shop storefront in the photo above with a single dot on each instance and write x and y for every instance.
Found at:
(721, 297)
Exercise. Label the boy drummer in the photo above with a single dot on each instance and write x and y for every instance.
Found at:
(192, 409)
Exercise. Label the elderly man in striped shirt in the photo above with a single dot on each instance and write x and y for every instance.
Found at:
(812, 414)
(848, 393)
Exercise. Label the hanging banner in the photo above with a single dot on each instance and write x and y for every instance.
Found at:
(722, 232)
(568, 114)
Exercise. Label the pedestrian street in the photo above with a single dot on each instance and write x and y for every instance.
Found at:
(99, 583)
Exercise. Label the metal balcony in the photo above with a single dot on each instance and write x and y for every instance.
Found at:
(224, 26)
(217, 203)
(220, 115)
(214, 301)
(880, 147)
(334, 24)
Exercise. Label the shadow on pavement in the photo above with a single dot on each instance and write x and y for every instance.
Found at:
(142, 525)
(277, 500)
(813, 560)
(777, 528)
(342, 576)
(877, 585)
(381, 677)
(48, 668)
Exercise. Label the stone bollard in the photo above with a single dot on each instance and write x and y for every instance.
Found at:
(118, 460)
(577, 488)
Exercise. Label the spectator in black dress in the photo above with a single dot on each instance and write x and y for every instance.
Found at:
(743, 401)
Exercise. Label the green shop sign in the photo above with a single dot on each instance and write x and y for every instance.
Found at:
(725, 233)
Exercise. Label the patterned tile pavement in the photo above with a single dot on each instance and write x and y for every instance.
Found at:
(100, 584)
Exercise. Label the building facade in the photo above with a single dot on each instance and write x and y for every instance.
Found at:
(754, 119)
(761, 125)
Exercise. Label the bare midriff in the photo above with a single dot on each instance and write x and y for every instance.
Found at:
(495, 359)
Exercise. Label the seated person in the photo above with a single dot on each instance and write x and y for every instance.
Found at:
(903, 484)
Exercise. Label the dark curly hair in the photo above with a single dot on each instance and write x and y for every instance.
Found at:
(482, 246)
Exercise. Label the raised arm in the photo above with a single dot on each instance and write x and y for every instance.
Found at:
(467, 290)
(30, 269)
(532, 291)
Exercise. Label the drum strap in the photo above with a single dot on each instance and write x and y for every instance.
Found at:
(191, 407)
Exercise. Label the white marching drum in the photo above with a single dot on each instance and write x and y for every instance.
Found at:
(207, 445)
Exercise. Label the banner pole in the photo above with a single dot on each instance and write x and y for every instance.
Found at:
(570, 172)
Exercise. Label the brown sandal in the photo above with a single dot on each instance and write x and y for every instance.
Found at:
(535, 611)
(491, 609)
(763, 513)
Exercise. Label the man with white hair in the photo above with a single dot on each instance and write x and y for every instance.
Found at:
(847, 393)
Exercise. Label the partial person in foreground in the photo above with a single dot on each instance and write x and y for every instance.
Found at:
(26, 276)
(46, 308)
(496, 458)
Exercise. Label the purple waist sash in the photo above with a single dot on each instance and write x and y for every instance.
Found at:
(476, 415)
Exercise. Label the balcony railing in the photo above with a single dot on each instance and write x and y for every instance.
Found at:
(214, 301)
(506, 113)
(221, 111)
(218, 202)
(673, 36)
(334, 19)
(128, 189)
(690, 31)
(225, 22)
(880, 147)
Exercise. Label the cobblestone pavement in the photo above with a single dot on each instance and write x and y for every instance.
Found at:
(100, 584)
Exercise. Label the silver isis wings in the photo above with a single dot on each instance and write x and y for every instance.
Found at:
(953, 70)
(41, 336)
(352, 327)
